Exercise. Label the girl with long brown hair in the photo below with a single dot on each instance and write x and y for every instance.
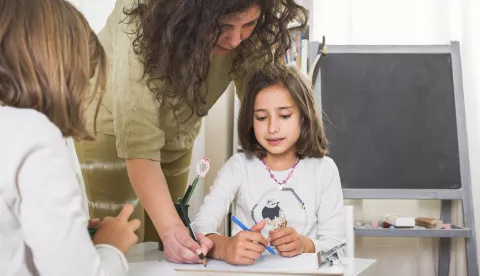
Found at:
(282, 185)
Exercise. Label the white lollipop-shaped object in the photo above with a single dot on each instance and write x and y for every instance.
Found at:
(206, 162)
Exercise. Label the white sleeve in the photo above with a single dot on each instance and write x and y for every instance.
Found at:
(330, 214)
(217, 202)
(78, 173)
(53, 222)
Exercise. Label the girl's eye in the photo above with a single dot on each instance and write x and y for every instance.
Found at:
(260, 118)
(285, 116)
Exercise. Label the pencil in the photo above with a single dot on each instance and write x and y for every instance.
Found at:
(202, 257)
(237, 222)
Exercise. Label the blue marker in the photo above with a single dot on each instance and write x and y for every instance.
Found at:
(237, 222)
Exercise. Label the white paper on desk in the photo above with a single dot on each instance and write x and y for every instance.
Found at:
(153, 268)
(268, 264)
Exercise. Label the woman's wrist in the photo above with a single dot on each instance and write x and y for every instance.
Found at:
(173, 223)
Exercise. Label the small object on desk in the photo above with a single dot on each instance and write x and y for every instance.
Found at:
(429, 223)
(245, 228)
(330, 257)
(375, 224)
(447, 226)
(398, 221)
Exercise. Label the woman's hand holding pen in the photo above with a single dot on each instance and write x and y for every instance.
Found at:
(289, 243)
(179, 247)
(245, 247)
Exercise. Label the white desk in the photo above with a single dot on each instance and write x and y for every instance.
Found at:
(142, 253)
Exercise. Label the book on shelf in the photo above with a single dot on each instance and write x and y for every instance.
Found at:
(298, 53)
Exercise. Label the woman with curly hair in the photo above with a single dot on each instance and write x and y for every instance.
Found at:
(170, 61)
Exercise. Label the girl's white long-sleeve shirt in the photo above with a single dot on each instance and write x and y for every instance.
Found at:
(311, 200)
(43, 221)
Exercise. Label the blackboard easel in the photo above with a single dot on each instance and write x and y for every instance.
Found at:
(349, 88)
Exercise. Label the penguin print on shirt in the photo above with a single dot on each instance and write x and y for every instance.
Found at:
(279, 208)
(271, 210)
(273, 214)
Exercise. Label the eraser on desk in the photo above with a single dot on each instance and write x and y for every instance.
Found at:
(447, 226)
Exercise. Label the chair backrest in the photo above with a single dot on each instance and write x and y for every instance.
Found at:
(349, 249)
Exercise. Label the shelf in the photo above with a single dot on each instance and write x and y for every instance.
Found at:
(455, 232)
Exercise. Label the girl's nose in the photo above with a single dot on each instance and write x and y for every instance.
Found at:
(273, 126)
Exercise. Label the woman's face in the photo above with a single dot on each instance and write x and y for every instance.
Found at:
(236, 28)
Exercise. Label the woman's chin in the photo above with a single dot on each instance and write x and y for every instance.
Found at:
(220, 51)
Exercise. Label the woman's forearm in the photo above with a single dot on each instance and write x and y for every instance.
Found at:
(151, 187)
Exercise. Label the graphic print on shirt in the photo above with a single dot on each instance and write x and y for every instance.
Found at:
(273, 214)
(277, 207)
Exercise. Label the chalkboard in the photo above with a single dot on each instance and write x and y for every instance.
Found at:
(390, 119)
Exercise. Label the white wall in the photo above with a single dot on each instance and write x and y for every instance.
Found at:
(219, 133)
(96, 11)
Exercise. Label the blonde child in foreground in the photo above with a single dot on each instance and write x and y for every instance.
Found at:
(282, 184)
(47, 55)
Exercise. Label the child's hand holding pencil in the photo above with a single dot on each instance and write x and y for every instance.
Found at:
(246, 246)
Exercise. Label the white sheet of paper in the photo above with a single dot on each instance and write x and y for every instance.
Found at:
(268, 264)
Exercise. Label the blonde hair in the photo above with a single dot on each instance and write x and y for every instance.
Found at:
(48, 53)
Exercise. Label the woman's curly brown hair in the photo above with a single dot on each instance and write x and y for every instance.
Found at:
(174, 40)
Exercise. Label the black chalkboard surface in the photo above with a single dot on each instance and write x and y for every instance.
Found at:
(391, 120)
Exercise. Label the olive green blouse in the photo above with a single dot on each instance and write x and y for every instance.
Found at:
(143, 126)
